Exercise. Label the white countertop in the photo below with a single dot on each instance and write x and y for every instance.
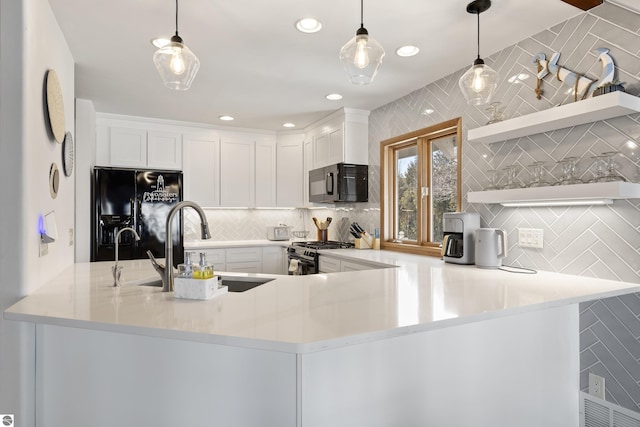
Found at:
(222, 244)
(301, 314)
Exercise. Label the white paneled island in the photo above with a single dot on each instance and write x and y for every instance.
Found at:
(424, 343)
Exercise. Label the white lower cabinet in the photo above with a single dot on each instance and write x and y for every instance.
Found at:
(273, 260)
(244, 260)
(328, 264)
(335, 265)
(354, 266)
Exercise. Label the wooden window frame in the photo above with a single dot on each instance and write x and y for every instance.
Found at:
(388, 172)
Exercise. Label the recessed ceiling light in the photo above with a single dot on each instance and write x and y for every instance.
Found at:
(407, 51)
(308, 25)
(160, 42)
(288, 125)
(334, 97)
(225, 118)
(427, 111)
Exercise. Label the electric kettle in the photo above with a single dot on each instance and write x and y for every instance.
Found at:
(491, 247)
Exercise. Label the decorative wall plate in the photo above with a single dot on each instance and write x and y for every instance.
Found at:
(54, 180)
(55, 105)
(67, 154)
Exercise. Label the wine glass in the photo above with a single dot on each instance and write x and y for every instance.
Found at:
(510, 174)
(494, 178)
(537, 170)
(611, 168)
(497, 112)
(568, 165)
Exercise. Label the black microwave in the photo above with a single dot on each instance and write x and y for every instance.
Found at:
(342, 182)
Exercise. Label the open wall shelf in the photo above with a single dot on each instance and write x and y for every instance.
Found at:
(592, 193)
(602, 107)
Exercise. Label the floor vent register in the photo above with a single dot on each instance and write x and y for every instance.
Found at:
(595, 412)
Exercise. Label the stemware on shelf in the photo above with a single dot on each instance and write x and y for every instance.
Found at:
(537, 171)
(611, 168)
(497, 112)
(599, 167)
(568, 165)
(494, 178)
(510, 176)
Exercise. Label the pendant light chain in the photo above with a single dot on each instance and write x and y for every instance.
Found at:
(478, 15)
(176, 17)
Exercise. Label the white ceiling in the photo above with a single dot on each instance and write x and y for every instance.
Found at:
(256, 67)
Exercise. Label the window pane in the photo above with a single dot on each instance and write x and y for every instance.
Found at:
(406, 203)
(444, 182)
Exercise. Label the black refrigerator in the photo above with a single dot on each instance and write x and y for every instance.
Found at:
(136, 198)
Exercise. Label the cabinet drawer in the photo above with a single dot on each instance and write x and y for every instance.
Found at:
(353, 266)
(244, 267)
(328, 265)
(244, 254)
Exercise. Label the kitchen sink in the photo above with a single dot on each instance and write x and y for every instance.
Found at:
(234, 283)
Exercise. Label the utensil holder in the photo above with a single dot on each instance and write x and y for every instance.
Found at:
(323, 235)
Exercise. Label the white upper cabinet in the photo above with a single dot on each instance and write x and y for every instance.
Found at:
(135, 144)
(127, 147)
(341, 137)
(290, 172)
(266, 161)
(164, 150)
(308, 165)
(237, 171)
(201, 175)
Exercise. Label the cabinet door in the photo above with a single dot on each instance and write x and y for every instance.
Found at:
(201, 156)
(322, 147)
(353, 266)
(290, 174)
(328, 265)
(244, 267)
(164, 150)
(266, 161)
(237, 172)
(250, 253)
(308, 165)
(336, 146)
(127, 147)
(273, 260)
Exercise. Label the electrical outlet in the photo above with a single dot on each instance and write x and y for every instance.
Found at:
(71, 237)
(530, 238)
(596, 385)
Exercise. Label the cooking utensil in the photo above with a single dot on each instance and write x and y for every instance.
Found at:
(329, 219)
(316, 222)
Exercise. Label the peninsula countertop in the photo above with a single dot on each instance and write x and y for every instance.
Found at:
(303, 314)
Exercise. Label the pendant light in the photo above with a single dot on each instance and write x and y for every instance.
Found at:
(480, 81)
(362, 55)
(176, 63)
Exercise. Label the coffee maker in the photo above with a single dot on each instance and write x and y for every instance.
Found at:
(458, 242)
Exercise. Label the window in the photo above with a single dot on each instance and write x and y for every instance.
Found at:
(420, 181)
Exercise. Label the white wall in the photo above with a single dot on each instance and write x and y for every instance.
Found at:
(31, 43)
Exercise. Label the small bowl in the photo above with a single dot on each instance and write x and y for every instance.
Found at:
(300, 234)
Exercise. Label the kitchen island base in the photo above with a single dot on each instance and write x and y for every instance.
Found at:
(510, 370)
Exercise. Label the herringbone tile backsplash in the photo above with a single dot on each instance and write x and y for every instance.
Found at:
(601, 241)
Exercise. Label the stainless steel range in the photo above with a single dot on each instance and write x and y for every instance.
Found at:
(303, 256)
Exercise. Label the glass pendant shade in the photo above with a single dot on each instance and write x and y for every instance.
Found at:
(361, 57)
(479, 83)
(176, 64)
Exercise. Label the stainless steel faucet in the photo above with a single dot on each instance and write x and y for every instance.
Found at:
(166, 271)
(116, 269)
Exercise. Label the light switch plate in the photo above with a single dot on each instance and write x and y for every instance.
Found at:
(530, 238)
